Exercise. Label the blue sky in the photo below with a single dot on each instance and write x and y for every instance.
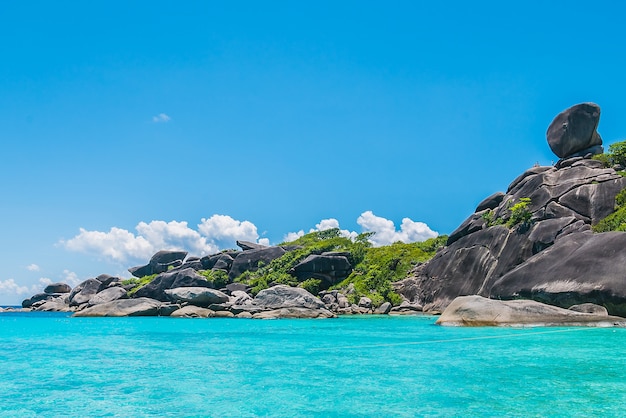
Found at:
(126, 127)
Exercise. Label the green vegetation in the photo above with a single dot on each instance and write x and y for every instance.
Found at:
(615, 155)
(374, 269)
(382, 266)
(617, 220)
(138, 283)
(277, 271)
(218, 277)
(520, 215)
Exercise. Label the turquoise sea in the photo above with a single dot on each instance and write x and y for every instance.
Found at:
(52, 365)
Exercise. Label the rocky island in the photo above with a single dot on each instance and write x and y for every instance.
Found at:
(547, 251)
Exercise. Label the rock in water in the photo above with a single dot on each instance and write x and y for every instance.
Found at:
(198, 296)
(478, 311)
(123, 307)
(574, 130)
(282, 296)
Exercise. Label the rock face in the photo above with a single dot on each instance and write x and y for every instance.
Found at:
(183, 278)
(549, 254)
(159, 263)
(479, 311)
(123, 307)
(57, 288)
(198, 296)
(282, 296)
(574, 131)
(249, 260)
(330, 267)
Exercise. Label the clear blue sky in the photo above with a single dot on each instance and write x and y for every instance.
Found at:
(281, 114)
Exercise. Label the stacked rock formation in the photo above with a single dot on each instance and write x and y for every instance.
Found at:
(553, 257)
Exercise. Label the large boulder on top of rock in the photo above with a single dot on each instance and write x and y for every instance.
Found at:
(574, 130)
(282, 296)
(123, 307)
(57, 288)
(247, 245)
(164, 281)
(249, 260)
(198, 296)
(332, 267)
(159, 263)
(479, 311)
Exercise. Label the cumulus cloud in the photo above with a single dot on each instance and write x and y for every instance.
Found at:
(70, 278)
(123, 246)
(386, 233)
(385, 230)
(33, 267)
(161, 117)
(10, 288)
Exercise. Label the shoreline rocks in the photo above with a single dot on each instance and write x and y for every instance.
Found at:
(472, 311)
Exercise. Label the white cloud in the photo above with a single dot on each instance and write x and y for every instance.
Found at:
(161, 117)
(292, 236)
(122, 246)
(10, 288)
(70, 278)
(385, 230)
(33, 267)
(264, 241)
(45, 281)
(222, 230)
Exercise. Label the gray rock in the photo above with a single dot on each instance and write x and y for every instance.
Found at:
(591, 308)
(171, 280)
(282, 296)
(238, 297)
(249, 260)
(57, 288)
(574, 130)
(107, 295)
(166, 309)
(191, 311)
(84, 291)
(294, 312)
(198, 296)
(159, 263)
(232, 287)
(383, 309)
(247, 245)
(490, 202)
(365, 302)
(479, 311)
(54, 305)
(244, 315)
(579, 268)
(33, 300)
(330, 267)
(123, 307)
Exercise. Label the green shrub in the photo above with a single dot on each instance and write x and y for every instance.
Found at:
(311, 285)
(219, 278)
(138, 283)
(520, 215)
(617, 220)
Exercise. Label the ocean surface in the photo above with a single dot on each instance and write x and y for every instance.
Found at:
(52, 365)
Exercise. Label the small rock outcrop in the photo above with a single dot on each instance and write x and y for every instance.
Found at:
(198, 296)
(159, 263)
(123, 307)
(282, 296)
(331, 267)
(57, 288)
(171, 280)
(480, 311)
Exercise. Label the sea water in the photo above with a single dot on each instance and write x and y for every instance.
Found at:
(52, 365)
